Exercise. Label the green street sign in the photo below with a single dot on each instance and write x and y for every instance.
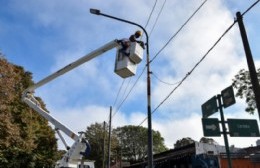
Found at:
(209, 107)
(243, 128)
(228, 97)
(210, 127)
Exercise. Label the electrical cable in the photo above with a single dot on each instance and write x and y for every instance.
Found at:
(118, 92)
(175, 34)
(250, 7)
(128, 84)
(159, 51)
(150, 14)
(189, 73)
(197, 64)
(129, 91)
(156, 20)
(167, 83)
(194, 67)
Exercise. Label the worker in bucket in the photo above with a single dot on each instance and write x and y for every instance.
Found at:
(125, 44)
(134, 37)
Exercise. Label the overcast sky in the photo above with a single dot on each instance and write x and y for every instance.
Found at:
(43, 36)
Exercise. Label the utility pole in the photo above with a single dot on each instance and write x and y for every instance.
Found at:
(104, 128)
(250, 62)
(109, 138)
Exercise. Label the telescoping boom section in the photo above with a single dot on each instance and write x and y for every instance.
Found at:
(75, 64)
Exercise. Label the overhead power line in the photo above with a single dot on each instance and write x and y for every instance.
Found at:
(167, 83)
(179, 83)
(250, 7)
(129, 92)
(150, 14)
(190, 72)
(119, 92)
(156, 20)
(158, 52)
(197, 64)
(175, 34)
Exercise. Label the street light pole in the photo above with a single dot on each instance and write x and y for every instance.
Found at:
(149, 114)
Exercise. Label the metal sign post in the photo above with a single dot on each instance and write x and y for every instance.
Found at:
(211, 126)
(224, 130)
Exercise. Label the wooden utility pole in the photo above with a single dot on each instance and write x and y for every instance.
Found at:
(250, 62)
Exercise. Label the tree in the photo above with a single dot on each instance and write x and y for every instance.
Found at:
(183, 142)
(98, 138)
(95, 136)
(133, 142)
(128, 143)
(242, 83)
(26, 139)
(208, 141)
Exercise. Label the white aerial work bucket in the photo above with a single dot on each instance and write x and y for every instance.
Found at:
(136, 52)
(126, 65)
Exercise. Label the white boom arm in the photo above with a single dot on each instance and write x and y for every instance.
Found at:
(75, 64)
(33, 103)
(81, 146)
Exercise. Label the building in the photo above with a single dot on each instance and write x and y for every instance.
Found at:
(244, 158)
(203, 155)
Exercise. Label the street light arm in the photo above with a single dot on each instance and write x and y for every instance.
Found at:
(97, 12)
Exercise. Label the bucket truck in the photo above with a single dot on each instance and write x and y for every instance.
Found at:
(124, 67)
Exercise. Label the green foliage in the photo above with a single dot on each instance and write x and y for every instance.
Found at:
(26, 139)
(95, 136)
(242, 83)
(208, 141)
(128, 143)
(183, 142)
(133, 142)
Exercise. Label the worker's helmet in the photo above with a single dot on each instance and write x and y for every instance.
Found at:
(138, 33)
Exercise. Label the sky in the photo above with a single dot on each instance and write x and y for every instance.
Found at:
(43, 36)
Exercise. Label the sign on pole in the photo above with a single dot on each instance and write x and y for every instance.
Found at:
(210, 107)
(210, 127)
(243, 128)
(228, 97)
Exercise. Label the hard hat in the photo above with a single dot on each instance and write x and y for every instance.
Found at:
(138, 32)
